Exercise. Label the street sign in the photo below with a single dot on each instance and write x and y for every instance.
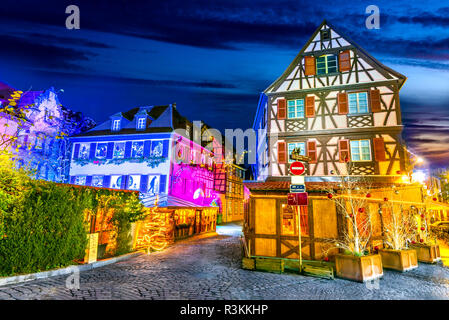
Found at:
(297, 199)
(297, 168)
(295, 188)
(297, 180)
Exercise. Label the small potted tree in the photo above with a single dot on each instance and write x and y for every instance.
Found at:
(426, 247)
(399, 231)
(355, 262)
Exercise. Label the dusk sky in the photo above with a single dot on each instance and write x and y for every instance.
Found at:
(213, 58)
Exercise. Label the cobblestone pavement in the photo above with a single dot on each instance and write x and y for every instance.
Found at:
(209, 268)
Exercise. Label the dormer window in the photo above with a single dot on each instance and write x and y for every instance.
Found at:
(141, 123)
(116, 125)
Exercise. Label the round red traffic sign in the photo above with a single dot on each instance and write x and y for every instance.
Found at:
(297, 168)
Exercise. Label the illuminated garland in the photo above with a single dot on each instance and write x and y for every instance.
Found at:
(154, 230)
(151, 161)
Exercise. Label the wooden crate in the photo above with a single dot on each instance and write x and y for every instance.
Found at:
(248, 263)
(270, 265)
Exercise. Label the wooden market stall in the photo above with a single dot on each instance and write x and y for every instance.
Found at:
(271, 226)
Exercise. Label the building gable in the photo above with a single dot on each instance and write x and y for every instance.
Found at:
(352, 65)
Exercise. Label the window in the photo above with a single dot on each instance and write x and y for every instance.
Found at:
(119, 150)
(116, 181)
(358, 102)
(141, 123)
(360, 150)
(137, 149)
(157, 148)
(326, 64)
(153, 184)
(296, 108)
(97, 181)
(116, 125)
(80, 180)
(289, 222)
(84, 151)
(294, 145)
(101, 151)
(134, 182)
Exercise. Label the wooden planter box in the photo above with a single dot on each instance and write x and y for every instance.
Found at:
(401, 260)
(270, 265)
(429, 253)
(360, 269)
(248, 263)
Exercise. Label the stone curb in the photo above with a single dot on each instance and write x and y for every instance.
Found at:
(67, 270)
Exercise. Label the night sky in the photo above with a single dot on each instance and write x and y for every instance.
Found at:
(213, 58)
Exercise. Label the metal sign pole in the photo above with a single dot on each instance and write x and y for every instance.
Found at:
(299, 238)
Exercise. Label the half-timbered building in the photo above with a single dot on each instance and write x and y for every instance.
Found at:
(335, 103)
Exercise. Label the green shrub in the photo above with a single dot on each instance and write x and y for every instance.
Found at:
(44, 230)
(43, 224)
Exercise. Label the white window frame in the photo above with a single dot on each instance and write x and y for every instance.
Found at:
(102, 180)
(296, 106)
(360, 150)
(141, 123)
(116, 125)
(357, 100)
(113, 151)
(143, 152)
(294, 143)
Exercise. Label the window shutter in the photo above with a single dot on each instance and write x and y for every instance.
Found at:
(88, 180)
(165, 145)
(343, 150)
(282, 152)
(310, 106)
(342, 99)
(375, 101)
(124, 182)
(76, 151)
(311, 151)
(147, 148)
(379, 149)
(309, 63)
(282, 109)
(106, 181)
(72, 179)
(93, 147)
(345, 61)
(143, 183)
(110, 153)
(128, 146)
(162, 184)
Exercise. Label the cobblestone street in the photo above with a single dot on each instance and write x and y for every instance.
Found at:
(209, 268)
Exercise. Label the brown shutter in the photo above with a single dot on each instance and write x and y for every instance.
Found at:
(282, 152)
(311, 151)
(309, 63)
(310, 106)
(343, 150)
(375, 100)
(379, 149)
(344, 61)
(342, 99)
(282, 109)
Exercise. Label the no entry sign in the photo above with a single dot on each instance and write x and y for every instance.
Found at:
(297, 168)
